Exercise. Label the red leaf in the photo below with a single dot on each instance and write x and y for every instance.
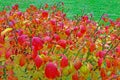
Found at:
(34, 54)
(22, 61)
(51, 71)
(100, 62)
(22, 39)
(64, 62)
(8, 54)
(67, 32)
(38, 61)
(75, 76)
(108, 63)
(45, 14)
(83, 29)
(92, 47)
(57, 37)
(37, 43)
(62, 43)
(77, 64)
(79, 34)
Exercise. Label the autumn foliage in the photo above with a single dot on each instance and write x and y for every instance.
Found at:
(43, 44)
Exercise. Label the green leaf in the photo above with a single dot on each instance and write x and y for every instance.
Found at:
(69, 77)
(36, 74)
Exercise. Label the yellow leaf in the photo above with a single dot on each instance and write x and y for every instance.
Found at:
(84, 69)
(71, 68)
(65, 71)
(6, 31)
(2, 59)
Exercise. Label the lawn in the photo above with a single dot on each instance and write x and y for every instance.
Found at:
(96, 7)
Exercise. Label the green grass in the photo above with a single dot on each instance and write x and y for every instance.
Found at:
(96, 7)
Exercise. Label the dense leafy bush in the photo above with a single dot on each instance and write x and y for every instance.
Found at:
(42, 44)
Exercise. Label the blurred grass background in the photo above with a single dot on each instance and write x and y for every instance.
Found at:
(96, 7)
